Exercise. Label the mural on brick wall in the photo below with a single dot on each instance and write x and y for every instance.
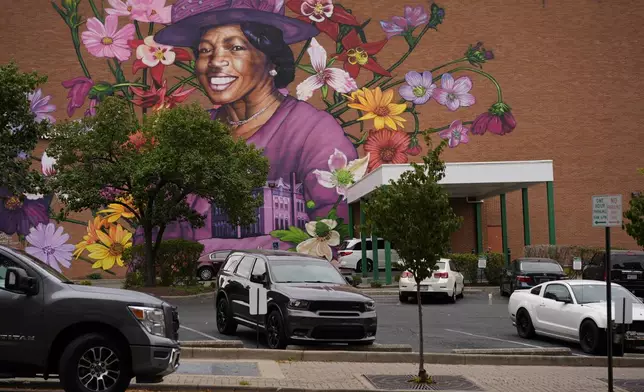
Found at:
(237, 53)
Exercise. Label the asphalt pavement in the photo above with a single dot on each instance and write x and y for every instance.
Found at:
(476, 321)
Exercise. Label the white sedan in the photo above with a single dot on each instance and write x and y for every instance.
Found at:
(575, 311)
(445, 281)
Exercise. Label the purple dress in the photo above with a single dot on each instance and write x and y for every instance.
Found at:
(297, 140)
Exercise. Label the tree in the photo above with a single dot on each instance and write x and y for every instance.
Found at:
(635, 228)
(20, 129)
(148, 171)
(414, 213)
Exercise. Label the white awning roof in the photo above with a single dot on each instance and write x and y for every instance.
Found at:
(466, 179)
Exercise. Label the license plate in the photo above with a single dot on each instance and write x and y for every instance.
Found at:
(631, 277)
(424, 288)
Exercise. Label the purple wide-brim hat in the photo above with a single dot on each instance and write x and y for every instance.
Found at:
(191, 17)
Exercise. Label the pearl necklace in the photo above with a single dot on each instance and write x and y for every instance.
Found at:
(242, 122)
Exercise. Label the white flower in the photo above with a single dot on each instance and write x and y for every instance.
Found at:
(342, 175)
(47, 163)
(152, 53)
(324, 237)
(336, 78)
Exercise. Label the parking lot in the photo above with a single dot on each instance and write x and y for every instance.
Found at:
(476, 321)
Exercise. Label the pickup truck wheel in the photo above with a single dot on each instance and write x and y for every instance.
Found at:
(94, 363)
(225, 322)
(591, 338)
(525, 329)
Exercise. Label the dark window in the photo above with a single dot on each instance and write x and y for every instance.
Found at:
(536, 290)
(452, 266)
(243, 269)
(540, 266)
(369, 245)
(302, 270)
(231, 263)
(557, 291)
(260, 268)
(277, 223)
(4, 264)
(381, 244)
(626, 261)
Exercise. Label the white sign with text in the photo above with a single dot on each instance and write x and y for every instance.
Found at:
(607, 211)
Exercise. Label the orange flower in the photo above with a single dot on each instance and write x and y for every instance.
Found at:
(386, 146)
(117, 211)
(91, 237)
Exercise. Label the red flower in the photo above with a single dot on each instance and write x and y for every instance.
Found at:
(325, 15)
(157, 98)
(414, 148)
(358, 54)
(155, 56)
(386, 146)
(498, 120)
(138, 140)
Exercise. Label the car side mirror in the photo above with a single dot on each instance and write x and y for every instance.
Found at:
(565, 300)
(17, 280)
(260, 279)
(349, 279)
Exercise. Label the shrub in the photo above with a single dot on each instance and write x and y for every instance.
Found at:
(564, 254)
(467, 263)
(86, 283)
(376, 284)
(133, 279)
(357, 280)
(95, 276)
(493, 267)
(176, 261)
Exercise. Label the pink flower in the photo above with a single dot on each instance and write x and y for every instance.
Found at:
(91, 110)
(455, 134)
(141, 10)
(498, 120)
(454, 94)
(41, 107)
(398, 25)
(47, 164)
(78, 90)
(324, 14)
(342, 174)
(337, 79)
(105, 41)
(155, 56)
(127, 8)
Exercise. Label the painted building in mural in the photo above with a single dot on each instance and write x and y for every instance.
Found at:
(340, 88)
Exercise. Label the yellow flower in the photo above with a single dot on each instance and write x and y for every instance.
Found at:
(110, 250)
(379, 108)
(91, 237)
(355, 94)
(118, 211)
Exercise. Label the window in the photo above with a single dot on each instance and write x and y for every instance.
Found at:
(369, 245)
(541, 266)
(301, 270)
(243, 269)
(557, 292)
(222, 255)
(4, 264)
(232, 263)
(260, 268)
(536, 290)
(627, 261)
(453, 266)
(381, 244)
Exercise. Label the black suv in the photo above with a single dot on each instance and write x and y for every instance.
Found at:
(527, 272)
(308, 299)
(627, 269)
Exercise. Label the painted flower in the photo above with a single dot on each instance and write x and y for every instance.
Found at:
(324, 14)
(117, 211)
(353, 97)
(138, 140)
(91, 110)
(41, 107)
(414, 17)
(419, 88)
(455, 134)
(155, 56)
(157, 98)
(342, 174)
(47, 164)
(478, 55)
(414, 147)
(454, 94)
(141, 10)
(337, 79)
(111, 247)
(110, 193)
(357, 54)
(378, 106)
(324, 237)
(91, 237)
(129, 8)
(106, 40)
(19, 213)
(386, 146)
(498, 119)
(49, 245)
(78, 90)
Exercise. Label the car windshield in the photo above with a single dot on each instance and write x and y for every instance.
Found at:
(627, 261)
(540, 266)
(589, 293)
(304, 271)
(42, 266)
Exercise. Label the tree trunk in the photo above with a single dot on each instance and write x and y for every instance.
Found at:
(150, 270)
(422, 373)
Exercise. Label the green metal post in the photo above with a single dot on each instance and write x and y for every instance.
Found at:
(387, 262)
(479, 229)
(351, 233)
(551, 213)
(526, 217)
(504, 230)
(374, 251)
(363, 241)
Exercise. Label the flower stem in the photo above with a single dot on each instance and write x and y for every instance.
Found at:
(446, 64)
(95, 11)
(180, 83)
(151, 28)
(349, 123)
(436, 130)
(306, 46)
(129, 84)
(138, 30)
(491, 78)
(184, 66)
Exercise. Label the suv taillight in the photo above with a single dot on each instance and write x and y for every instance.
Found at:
(440, 275)
(525, 279)
(407, 274)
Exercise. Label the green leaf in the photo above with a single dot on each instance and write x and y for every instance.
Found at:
(343, 230)
(294, 235)
(307, 68)
(325, 91)
(331, 61)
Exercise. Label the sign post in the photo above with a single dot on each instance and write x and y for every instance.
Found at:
(607, 213)
(482, 264)
(258, 305)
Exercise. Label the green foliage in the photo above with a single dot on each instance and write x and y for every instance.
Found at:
(635, 214)
(176, 261)
(376, 284)
(564, 254)
(133, 279)
(19, 131)
(357, 280)
(493, 267)
(293, 235)
(414, 213)
(86, 283)
(95, 276)
(468, 264)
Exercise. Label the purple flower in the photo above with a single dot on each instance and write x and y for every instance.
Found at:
(499, 120)
(455, 134)
(398, 25)
(78, 90)
(48, 245)
(419, 88)
(91, 110)
(41, 107)
(18, 214)
(454, 94)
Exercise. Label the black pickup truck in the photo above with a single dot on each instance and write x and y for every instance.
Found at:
(93, 339)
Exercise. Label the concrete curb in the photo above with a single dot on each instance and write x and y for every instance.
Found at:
(389, 348)
(209, 294)
(394, 291)
(514, 351)
(211, 343)
(508, 359)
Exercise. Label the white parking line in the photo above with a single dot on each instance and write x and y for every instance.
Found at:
(199, 332)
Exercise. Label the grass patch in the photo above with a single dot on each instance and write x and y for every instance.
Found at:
(244, 383)
(174, 291)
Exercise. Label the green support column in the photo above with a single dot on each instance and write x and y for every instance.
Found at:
(526, 217)
(551, 213)
(374, 252)
(363, 241)
(504, 230)
(351, 233)
(479, 228)
(387, 262)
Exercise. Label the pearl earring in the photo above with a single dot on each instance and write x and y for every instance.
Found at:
(272, 72)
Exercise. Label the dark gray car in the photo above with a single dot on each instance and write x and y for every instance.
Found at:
(95, 339)
(308, 300)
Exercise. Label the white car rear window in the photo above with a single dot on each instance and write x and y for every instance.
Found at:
(440, 265)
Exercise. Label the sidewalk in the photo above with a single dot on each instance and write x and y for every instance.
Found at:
(265, 375)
